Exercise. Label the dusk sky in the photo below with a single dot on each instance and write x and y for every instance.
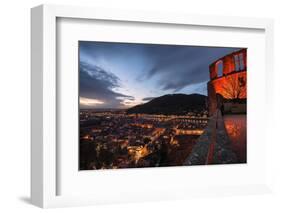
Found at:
(121, 75)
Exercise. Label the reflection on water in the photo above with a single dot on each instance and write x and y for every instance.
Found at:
(236, 128)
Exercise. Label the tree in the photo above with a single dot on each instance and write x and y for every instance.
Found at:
(234, 87)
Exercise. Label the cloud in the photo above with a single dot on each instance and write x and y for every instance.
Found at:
(99, 85)
(123, 74)
(176, 67)
(89, 102)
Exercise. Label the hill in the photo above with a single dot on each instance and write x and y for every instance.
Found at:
(172, 104)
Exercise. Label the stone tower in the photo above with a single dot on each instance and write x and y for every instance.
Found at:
(228, 79)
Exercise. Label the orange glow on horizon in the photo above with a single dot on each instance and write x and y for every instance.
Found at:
(89, 101)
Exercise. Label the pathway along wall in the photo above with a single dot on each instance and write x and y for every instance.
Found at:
(213, 146)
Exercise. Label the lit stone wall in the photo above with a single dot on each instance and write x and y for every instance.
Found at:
(213, 146)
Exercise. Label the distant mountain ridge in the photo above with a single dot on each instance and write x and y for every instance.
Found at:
(172, 104)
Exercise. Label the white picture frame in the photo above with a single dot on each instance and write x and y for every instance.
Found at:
(44, 155)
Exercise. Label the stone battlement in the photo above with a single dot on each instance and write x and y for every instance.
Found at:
(228, 79)
(213, 146)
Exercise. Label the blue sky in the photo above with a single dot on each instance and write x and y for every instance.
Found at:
(121, 75)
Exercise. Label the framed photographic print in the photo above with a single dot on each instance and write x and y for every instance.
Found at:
(148, 106)
(153, 109)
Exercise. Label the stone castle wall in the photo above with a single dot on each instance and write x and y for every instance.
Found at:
(228, 78)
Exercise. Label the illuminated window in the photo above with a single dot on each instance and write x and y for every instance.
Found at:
(241, 61)
(220, 68)
(237, 64)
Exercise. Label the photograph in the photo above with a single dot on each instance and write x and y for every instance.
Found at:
(161, 105)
